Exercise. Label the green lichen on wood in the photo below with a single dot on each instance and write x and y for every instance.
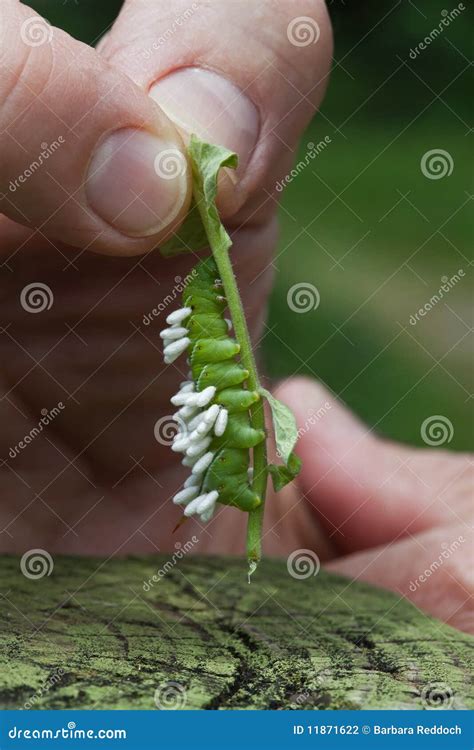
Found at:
(90, 636)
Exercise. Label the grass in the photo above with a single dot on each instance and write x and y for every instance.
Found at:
(376, 257)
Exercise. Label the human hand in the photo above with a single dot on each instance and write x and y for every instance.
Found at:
(374, 510)
(96, 480)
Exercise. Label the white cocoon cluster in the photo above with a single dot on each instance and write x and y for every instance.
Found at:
(221, 422)
(177, 317)
(174, 350)
(175, 337)
(203, 463)
(197, 419)
(198, 448)
(202, 503)
(173, 333)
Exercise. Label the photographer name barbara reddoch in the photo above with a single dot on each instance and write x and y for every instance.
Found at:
(418, 729)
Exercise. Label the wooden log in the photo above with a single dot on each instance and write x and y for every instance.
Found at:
(107, 635)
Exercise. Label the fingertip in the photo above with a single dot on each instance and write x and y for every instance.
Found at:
(139, 183)
(322, 416)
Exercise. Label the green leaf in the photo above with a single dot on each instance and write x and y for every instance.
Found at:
(283, 475)
(284, 424)
(191, 236)
(286, 435)
(205, 161)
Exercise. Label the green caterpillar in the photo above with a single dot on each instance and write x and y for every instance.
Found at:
(215, 434)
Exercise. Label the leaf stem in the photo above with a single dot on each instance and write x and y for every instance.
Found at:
(257, 414)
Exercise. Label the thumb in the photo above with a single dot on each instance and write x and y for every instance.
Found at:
(250, 81)
(85, 156)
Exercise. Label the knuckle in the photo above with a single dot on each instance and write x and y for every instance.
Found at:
(26, 60)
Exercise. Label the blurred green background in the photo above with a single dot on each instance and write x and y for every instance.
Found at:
(364, 225)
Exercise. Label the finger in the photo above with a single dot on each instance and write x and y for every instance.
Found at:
(433, 569)
(83, 151)
(367, 491)
(250, 81)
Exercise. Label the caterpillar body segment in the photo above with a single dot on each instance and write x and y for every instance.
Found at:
(237, 399)
(228, 474)
(221, 375)
(215, 433)
(239, 431)
(212, 350)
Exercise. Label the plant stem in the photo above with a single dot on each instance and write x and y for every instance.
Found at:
(257, 413)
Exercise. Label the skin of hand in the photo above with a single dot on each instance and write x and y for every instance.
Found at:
(395, 516)
(83, 224)
(96, 481)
